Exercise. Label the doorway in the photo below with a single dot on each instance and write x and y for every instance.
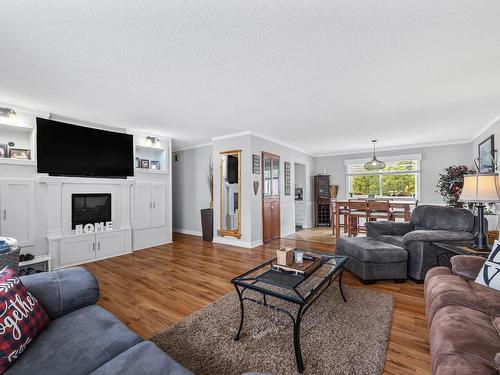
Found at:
(271, 219)
(300, 201)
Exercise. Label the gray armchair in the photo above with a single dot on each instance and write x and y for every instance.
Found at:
(428, 224)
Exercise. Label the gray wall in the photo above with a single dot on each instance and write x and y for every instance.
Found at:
(434, 160)
(190, 189)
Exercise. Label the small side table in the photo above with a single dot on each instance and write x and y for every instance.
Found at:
(451, 250)
(42, 261)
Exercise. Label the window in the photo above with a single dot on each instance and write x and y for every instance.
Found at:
(400, 177)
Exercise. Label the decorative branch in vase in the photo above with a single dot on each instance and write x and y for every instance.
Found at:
(210, 180)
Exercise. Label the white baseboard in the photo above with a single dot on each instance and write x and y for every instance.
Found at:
(187, 231)
(236, 242)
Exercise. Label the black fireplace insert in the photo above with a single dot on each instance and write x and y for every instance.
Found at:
(90, 208)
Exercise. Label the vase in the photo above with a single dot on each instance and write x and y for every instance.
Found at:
(207, 224)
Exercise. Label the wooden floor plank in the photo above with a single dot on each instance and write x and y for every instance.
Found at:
(152, 289)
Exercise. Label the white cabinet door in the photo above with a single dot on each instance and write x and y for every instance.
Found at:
(77, 249)
(143, 206)
(109, 243)
(18, 211)
(159, 211)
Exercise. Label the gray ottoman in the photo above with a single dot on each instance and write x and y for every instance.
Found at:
(372, 260)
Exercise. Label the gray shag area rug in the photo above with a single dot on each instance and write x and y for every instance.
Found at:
(336, 337)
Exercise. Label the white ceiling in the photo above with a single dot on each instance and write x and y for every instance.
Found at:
(324, 76)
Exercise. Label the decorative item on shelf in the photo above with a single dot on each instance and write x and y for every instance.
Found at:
(256, 187)
(288, 178)
(7, 112)
(334, 190)
(374, 164)
(137, 162)
(152, 142)
(284, 256)
(144, 164)
(207, 214)
(486, 155)
(3, 150)
(155, 164)
(451, 182)
(19, 153)
(480, 188)
(255, 164)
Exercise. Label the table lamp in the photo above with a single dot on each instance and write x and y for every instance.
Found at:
(480, 189)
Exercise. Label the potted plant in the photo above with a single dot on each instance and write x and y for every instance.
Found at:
(207, 214)
(451, 182)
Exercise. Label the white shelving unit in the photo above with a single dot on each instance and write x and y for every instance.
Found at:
(159, 154)
(22, 134)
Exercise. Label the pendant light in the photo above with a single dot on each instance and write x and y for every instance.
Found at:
(374, 164)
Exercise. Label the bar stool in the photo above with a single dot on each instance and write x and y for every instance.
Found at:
(379, 210)
(398, 213)
(358, 209)
(343, 211)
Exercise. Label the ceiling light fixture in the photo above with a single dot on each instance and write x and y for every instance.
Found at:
(374, 164)
(7, 112)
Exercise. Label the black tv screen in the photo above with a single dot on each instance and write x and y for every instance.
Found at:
(71, 150)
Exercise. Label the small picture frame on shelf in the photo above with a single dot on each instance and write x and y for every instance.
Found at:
(144, 164)
(19, 153)
(137, 162)
(3, 150)
(155, 164)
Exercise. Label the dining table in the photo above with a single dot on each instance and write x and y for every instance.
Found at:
(402, 205)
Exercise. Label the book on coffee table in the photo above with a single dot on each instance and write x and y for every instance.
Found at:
(310, 263)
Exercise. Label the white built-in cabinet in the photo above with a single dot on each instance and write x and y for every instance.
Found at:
(17, 210)
(88, 247)
(150, 205)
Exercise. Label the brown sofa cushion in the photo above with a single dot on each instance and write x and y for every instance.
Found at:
(467, 266)
(464, 331)
(458, 364)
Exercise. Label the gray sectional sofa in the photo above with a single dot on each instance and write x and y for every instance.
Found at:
(376, 256)
(82, 337)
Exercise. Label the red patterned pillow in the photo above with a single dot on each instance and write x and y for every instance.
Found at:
(22, 318)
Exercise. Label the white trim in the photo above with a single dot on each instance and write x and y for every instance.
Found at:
(395, 148)
(497, 119)
(193, 147)
(388, 158)
(187, 231)
(236, 242)
(218, 138)
(281, 143)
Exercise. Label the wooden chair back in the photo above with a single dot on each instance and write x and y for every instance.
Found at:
(379, 206)
(358, 205)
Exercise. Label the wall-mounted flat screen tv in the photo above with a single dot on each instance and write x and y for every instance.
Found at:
(71, 150)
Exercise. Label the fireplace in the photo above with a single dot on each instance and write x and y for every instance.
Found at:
(90, 208)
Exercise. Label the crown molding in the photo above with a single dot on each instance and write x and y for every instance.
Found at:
(193, 147)
(490, 124)
(395, 148)
(232, 135)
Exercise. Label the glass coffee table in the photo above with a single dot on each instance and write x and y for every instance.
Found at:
(297, 290)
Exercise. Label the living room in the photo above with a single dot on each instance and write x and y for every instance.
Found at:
(249, 188)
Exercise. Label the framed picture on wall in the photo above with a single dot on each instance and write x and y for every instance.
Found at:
(486, 155)
(255, 164)
(19, 153)
(3, 150)
(288, 178)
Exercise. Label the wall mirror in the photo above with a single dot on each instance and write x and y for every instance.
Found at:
(230, 193)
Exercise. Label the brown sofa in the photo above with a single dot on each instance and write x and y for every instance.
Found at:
(463, 319)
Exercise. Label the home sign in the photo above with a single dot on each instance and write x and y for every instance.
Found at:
(91, 228)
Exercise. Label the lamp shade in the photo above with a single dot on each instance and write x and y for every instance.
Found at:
(480, 188)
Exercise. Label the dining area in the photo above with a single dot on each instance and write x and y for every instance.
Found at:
(350, 215)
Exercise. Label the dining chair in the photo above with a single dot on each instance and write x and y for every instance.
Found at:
(358, 209)
(343, 211)
(379, 210)
(399, 213)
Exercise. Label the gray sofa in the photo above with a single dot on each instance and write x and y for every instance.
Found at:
(428, 224)
(82, 337)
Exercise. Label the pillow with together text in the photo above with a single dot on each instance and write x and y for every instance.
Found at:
(22, 318)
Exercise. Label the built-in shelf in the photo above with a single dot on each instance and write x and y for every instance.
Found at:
(150, 148)
(153, 171)
(12, 126)
(37, 259)
(17, 161)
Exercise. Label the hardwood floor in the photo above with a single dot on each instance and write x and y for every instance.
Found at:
(151, 289)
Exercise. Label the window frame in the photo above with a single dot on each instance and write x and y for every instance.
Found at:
(386, 159)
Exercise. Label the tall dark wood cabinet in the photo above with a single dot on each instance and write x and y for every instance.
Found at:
(322, 200)
(271, 220)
